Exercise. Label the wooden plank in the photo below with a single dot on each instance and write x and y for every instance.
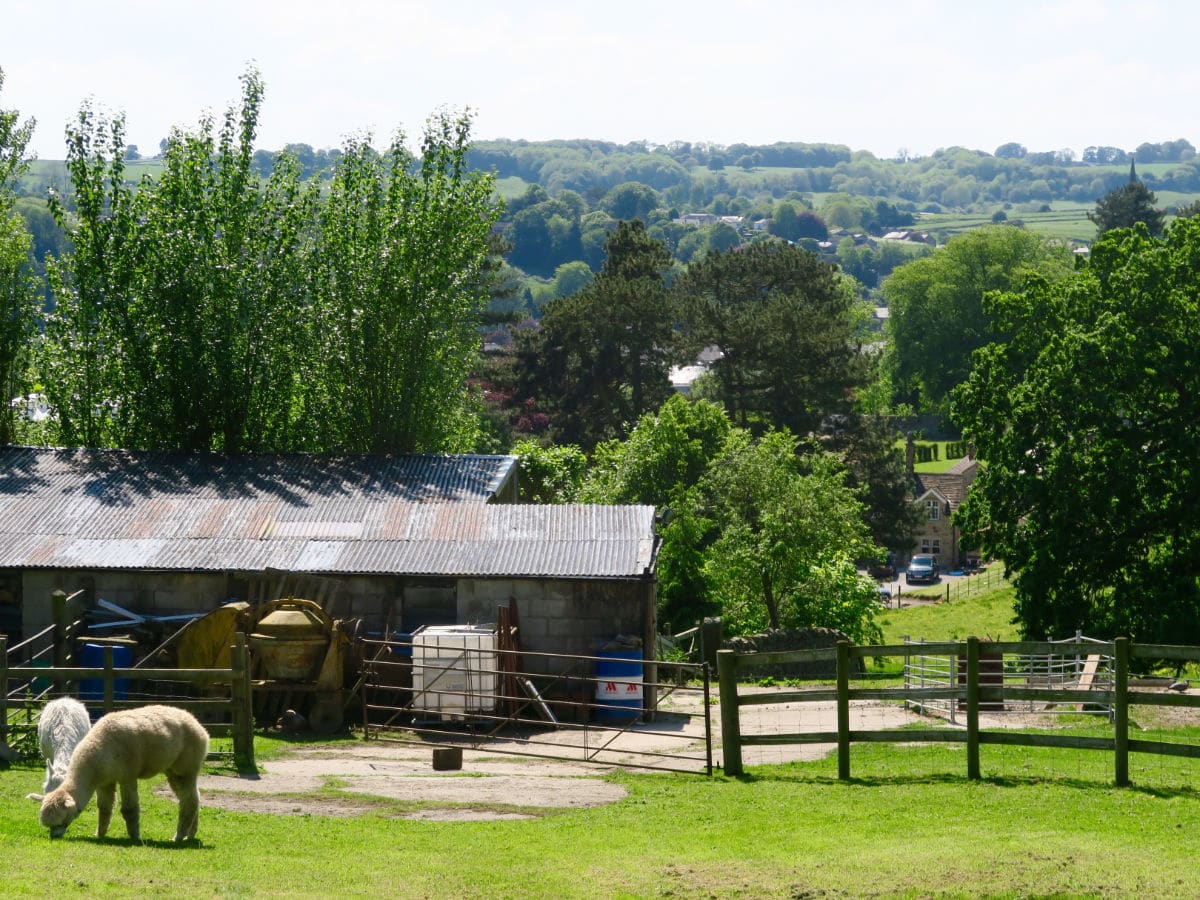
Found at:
(1166, 698)
(199, 676)
(775, 657)
(1165, 748)
(1039, 739)
(1047, 648)
(915, 736)
(762, 699)
(1060, 696)
(1164, 651)
(1088, 676)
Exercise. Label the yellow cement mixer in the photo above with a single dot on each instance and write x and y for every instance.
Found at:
(297, 657)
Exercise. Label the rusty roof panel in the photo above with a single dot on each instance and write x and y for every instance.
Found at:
(52, 516)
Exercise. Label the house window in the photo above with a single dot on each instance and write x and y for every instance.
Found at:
(936, 547)
(925, 545)
(933, 510)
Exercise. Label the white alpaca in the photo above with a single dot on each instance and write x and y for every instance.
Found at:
(123, 747)
(61, 727)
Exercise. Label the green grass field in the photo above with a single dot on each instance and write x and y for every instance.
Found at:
(1040, 823)
(986, 614)
(941, 464)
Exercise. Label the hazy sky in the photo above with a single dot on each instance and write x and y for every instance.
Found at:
(878, 76)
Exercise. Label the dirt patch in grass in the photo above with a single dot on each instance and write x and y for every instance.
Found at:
(323, 782)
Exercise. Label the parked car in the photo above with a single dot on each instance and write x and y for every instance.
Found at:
(921, 569)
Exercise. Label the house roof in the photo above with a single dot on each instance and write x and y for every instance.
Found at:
(950, 485)
(350, 515)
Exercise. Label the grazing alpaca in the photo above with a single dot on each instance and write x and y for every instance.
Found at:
(61, 727)
(123, 747)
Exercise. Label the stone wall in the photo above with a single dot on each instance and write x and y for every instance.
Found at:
(791, 639)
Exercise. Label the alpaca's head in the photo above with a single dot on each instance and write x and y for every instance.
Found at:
(58, 811)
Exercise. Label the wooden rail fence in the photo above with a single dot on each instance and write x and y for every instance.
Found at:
(230, 690)
(971, 693)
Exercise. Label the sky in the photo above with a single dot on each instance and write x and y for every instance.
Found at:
(916, 75)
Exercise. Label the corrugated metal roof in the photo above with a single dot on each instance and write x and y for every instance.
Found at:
(121, 477)
(83, 510)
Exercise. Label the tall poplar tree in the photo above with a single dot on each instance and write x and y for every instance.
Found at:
(17, 295)
(399, 281)
(180, 311)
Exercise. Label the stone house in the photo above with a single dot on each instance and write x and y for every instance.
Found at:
(937, 496)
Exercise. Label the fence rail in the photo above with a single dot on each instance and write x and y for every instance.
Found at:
(25, 688)
(968, 692)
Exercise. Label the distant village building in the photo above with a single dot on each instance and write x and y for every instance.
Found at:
(698, 219)
(682, 377)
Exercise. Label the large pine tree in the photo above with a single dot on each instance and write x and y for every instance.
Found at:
(1127, 205)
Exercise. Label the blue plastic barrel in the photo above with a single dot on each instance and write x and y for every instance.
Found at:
(618, 686)
(93, 658)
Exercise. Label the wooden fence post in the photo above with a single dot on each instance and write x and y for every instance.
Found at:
(58, 604)
(108, 679)
(731, 732)
(1121, 711)
(973, 708)
(243, 711)
(843, 709)
(3, 690)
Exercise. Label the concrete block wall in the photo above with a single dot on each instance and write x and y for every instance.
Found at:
(153, 593)
(559, 616)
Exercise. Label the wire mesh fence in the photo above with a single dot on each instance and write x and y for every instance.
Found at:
(1077, 663)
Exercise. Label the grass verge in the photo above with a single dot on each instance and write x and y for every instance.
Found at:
(902, 828)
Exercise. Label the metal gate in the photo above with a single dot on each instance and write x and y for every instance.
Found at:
(611, 709)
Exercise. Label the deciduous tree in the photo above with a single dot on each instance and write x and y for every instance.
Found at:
(17, 291)
(937, 315)
(397, 289)
(180, 310)
(1088, 419)
(778, 533)
(1127, 205)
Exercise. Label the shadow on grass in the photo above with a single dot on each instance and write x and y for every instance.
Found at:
(1002, 781)
(111, 841)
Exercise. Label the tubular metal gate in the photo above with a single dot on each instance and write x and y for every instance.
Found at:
(585, 709)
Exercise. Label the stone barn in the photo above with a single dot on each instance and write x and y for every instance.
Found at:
(399, 541)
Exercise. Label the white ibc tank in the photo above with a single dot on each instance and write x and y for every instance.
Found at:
(454, 670)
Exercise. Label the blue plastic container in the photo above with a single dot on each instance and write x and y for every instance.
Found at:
(618, 686)
(92, 689)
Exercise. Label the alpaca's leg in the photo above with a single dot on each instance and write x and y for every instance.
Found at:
(188, 794)
(130, 809)
(104, 805)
